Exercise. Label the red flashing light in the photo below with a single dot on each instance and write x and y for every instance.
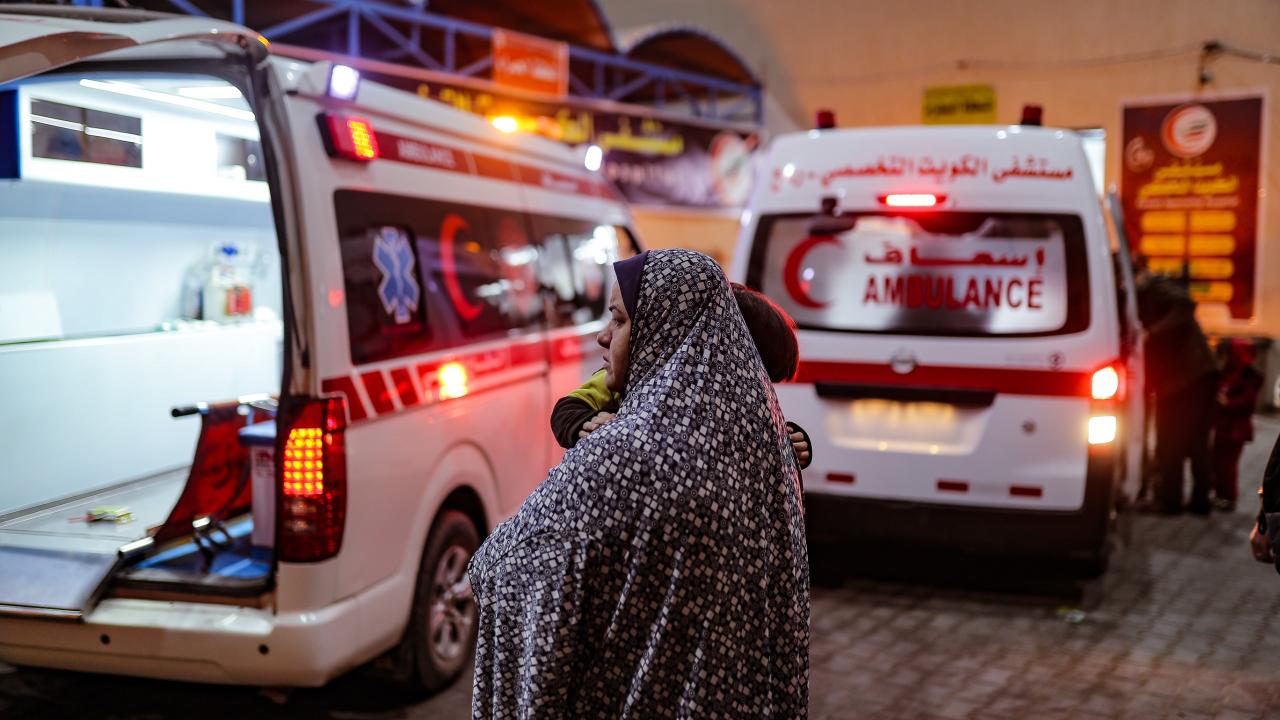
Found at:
(1108, 383)
(824, 119)
(351, 137)
(313, 477)
(912, 200)
(1032, 115)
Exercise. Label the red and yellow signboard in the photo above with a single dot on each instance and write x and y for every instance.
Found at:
(1189, 185)
(530, 63)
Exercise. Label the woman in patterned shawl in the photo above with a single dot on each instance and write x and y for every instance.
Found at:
(660, 570)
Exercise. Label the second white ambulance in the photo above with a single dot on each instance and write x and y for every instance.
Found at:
(969, 346)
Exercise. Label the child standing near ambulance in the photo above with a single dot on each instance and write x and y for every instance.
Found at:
(593, 404)
(1238, 389)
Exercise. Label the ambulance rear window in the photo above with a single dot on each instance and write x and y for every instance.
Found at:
(946, 273)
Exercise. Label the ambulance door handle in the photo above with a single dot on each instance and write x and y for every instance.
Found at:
(960, 397)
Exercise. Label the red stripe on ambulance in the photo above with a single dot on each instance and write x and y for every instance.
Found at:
(346, 387)
(479, 365)
(1056, 383)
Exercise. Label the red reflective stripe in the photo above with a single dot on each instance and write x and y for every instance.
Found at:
(526, 353)
(845, 478)
(572, 349)
(346, 387)
(1064, 383)
(478, 364)
(492, 167)
(379, 394)
(1025, 491)
(430, 380)
(404, 387)
(953, 486)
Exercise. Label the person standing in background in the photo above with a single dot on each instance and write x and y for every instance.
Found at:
(1233, 422)
(1182, 376)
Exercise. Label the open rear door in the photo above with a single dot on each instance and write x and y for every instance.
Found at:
(56, 559)
(35, 40)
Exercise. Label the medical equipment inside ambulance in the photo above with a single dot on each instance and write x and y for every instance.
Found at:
(140, 339)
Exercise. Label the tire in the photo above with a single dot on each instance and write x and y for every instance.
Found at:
(441, 634)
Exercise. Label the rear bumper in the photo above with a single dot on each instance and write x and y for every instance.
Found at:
(1025, 533)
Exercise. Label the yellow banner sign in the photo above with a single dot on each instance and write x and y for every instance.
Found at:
(960, 105)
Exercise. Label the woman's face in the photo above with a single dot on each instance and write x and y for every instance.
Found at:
(616, 341)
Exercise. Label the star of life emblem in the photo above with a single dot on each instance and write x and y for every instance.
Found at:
(399, 289)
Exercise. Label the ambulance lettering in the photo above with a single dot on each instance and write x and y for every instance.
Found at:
(867, 278)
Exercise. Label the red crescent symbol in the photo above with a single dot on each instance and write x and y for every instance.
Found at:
(452, 224)
(797, 288)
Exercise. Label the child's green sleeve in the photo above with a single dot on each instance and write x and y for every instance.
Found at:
(596, 394)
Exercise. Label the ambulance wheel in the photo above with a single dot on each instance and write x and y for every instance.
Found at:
(442, 625)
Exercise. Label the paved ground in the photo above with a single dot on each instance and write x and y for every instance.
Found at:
(1185, 625)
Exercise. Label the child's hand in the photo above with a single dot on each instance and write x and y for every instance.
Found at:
(801, 448)
(595, 423)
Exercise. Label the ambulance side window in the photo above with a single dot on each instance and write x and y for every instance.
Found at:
(480, 269)
(385, 300)
(575, 268)
(424, 275)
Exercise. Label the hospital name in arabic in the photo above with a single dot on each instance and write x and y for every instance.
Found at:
(930, 168)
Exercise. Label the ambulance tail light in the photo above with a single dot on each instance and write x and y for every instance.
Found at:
(313, 477)
(912, 200)
(349, 136)
(1107, 383)
(1102, 429)
(1106, 388)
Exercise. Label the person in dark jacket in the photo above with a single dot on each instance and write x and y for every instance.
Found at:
(1266, 530)
(1233, 423)
(1182, 375)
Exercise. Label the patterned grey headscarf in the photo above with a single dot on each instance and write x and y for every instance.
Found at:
(660, 570)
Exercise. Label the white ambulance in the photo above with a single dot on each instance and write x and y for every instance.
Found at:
(968, 337)
(192, 229)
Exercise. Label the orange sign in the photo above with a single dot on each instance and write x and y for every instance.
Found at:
(530, 63)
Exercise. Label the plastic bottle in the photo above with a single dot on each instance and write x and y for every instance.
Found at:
(228, 293)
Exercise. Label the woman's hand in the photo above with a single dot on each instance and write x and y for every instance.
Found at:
(801, 447)
(1260, 546)
(595, 423)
